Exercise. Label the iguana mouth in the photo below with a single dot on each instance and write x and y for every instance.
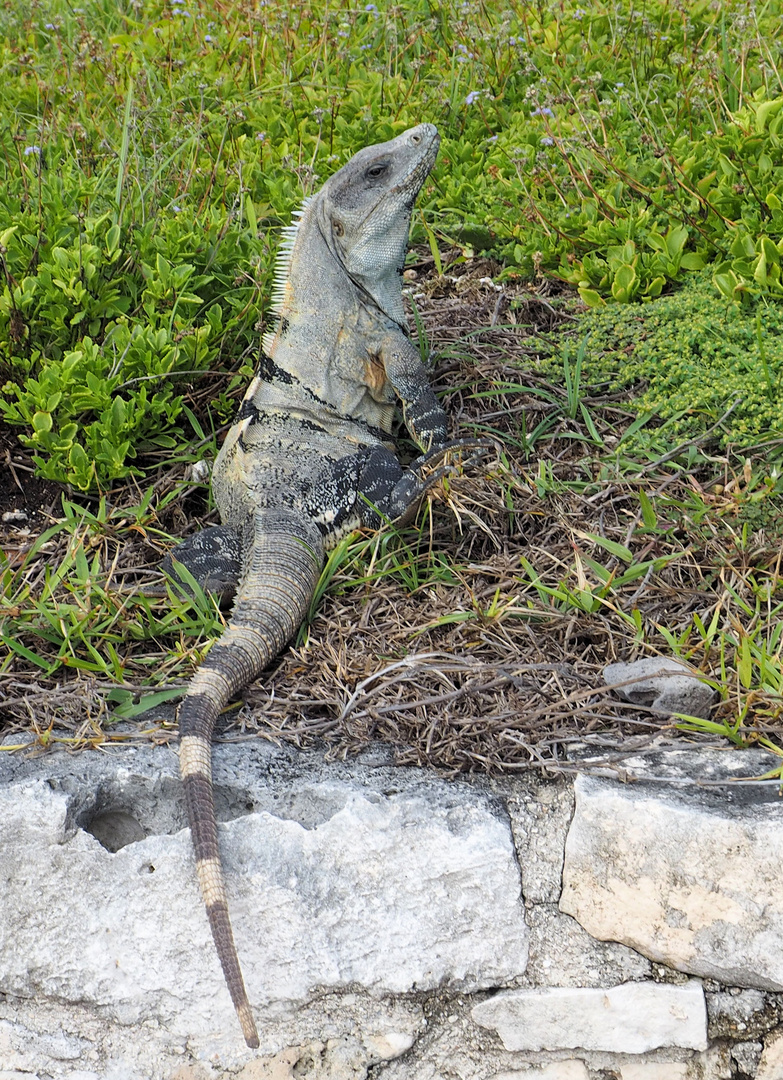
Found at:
(421, 168)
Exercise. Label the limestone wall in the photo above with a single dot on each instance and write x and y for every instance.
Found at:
(625, 924)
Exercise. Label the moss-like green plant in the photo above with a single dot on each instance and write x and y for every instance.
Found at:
(691, 359)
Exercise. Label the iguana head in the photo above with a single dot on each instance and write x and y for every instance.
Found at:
(364, 212)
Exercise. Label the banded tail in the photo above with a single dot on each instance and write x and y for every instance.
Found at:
(272, 602)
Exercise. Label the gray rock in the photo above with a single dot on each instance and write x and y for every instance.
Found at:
(746, 1056)
(740, 1014)
(628, 1019)
(687, 876)
(562, 953)
(389, 882)
(540, 816)
(337, 1037)
(663, 684)
(711, 1064)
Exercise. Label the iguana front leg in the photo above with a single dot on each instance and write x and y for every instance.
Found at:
(424, 418)
(363, 490)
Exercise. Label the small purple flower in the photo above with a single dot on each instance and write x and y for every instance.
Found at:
(176, 209)
(49, 26)
(547, 141)
(208, 37)
(472, 96)
(261, 136)
(542, 112)
(31, 150)
(371, 7)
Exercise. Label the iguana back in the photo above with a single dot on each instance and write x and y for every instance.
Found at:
(310, 456)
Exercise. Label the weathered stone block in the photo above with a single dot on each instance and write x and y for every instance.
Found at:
(540, 816)
(687, 876)
(628, 1019)
(562, 953)
(387, 883)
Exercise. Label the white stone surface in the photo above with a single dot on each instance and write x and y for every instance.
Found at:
(556, 1070)
(686, 877)
(390, 893)
(336, 1037)
(628, 1019)
(655, 1070)
(711, 1064)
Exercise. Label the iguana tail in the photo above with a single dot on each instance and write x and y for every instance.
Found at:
(272, 602)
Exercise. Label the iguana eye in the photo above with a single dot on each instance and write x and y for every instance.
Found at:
(375, 172)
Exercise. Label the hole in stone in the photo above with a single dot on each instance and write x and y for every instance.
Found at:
(114, 829)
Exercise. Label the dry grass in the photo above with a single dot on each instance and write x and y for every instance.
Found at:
(491, 657)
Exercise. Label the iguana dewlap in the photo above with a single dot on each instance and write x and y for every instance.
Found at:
(310, 456)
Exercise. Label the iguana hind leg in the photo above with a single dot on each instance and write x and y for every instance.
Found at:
(213, 557)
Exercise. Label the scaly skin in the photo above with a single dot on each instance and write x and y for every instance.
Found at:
(310, 457)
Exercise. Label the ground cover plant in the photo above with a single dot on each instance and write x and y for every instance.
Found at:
(620, 161)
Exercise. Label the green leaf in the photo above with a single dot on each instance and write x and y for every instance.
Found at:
(591, 298)
(765, 112)
(745, 663)
(624, 281)
(620, 551)
(77, 458)
(675, 241)
(42, 421)
(649, 517)
(28, 654)
(250, 214)
(127, 709)
(163, 268)
(113, 238)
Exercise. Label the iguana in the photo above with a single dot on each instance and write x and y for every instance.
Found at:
(310, 456)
